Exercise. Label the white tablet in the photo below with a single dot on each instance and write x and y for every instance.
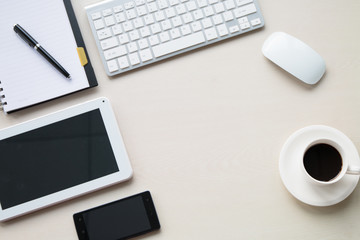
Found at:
(60, 156)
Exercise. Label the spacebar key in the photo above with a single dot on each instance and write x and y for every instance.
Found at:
(178, 44)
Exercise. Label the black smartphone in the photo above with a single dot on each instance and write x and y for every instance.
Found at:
(121, 219)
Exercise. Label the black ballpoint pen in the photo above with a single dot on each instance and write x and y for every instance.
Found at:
(34, 44)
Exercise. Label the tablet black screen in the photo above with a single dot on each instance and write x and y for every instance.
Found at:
(53, 158)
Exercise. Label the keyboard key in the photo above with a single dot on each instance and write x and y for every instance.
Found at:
(219, 7)
(185, 30)
(176, 21)
(217, 19)
(130, 14)
(178, 44)
(208, 11)
(96, 15)
(107, 12)
(104, 33)
(152, 7)
(134, 59)
(141, 11)
(166, 25)
(115, 52)
(202, 3)
(229, 4)
(170, 12)
(129, 5)
(159, 16)
(138, 22)
(116, 29)
(149, 19)
(191, 5)
(134, 35)
(112, 66)
(132, 47)
(127, 26)
(145, 55)
(198, 14)
(210, 33)
(243, 20)
(109, 21)
(245, 10)
(153, 40)
(120, 17)
(173, 2)
(206, 23)
(196, 26)
(99, 24)
(234, 29)
(162, 4)
(145, 31)
(155, 28)
(139, 2)
(187, 18)
(123, 62)
(228, 16)
(109, 43)
(180, 9)
(244, 26)
(164, 36)
(222, 30)
(255, 21)
(124, 38)
(143, 43)
(243, 2)
(175, 33)
(118, 8)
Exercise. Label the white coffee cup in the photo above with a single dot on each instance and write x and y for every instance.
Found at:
(345, 158)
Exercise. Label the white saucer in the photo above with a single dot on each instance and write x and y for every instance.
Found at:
(294, 177)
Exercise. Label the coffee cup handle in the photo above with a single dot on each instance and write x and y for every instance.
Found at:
(353, 170)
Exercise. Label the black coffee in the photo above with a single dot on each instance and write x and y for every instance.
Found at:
(322, 162)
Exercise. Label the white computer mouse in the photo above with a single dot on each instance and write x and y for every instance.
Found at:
(294, 56)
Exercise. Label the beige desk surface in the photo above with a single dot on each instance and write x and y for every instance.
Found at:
(204, 131)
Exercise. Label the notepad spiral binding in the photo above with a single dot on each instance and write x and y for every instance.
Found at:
(2, 98)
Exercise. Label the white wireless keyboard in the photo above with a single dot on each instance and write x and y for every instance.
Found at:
(133, 33)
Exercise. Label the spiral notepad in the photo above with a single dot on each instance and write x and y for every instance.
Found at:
(26, 77)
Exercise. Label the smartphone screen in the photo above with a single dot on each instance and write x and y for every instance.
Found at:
(122, 219)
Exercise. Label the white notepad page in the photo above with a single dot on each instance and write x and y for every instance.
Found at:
(26, 77)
